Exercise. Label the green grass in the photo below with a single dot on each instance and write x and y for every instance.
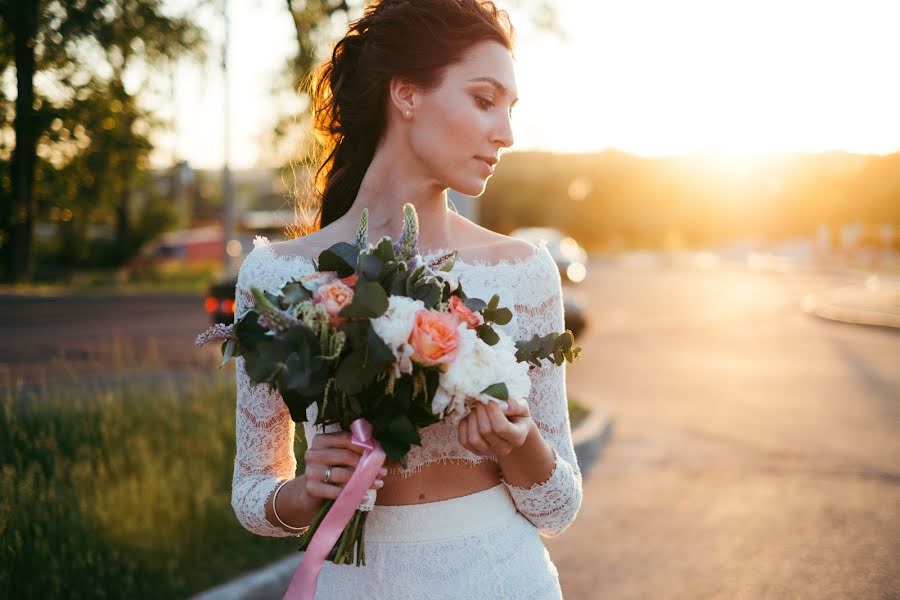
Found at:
(122, 493)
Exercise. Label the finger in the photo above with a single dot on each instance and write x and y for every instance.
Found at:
(326, 491)
(462, 432)
(486, 428)
(332, 457)
(475, 440)
(517, 408)
(337, 439)
(499, 423)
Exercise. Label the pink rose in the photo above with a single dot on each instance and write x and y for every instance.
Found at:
(464, 313)
(435, 338)
(351, 280)
(334, 296)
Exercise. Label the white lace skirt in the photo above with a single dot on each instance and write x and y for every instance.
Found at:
(477, 547)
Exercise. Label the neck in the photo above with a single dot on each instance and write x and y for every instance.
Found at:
(393, 179)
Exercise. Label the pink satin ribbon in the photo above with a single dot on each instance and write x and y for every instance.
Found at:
(303, 584)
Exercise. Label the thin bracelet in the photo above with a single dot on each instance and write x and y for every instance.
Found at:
(297, 530)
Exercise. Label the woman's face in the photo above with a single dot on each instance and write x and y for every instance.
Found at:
(459, 128)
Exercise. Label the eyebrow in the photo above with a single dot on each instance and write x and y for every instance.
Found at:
(496, 84)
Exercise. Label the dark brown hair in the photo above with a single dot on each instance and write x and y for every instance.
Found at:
(412, 39)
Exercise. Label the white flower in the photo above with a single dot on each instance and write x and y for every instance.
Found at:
(394, 328)
(476, 367)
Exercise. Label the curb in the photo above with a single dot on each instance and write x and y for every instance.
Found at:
(837, 306)
(270, 581)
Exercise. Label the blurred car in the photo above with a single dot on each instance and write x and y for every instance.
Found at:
(219, 301)
(571, 258)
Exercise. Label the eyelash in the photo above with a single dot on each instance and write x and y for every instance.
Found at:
(486, 104)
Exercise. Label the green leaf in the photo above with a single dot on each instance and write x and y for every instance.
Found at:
(487, 334)
(497, 390)
(369, 301)
(340, 257)
(403, 429)
(494, 301)
(500, 316)
(385, 249)
(228, 347)
(248, 330)
(429, 290)
(395, 449)
(380, 355)
(475, 304)
(370, 267)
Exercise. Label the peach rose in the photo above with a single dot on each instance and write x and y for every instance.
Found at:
(351, 280)
(435, 337)
(464, 313)
(334, 296)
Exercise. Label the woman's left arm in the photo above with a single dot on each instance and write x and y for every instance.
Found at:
(533, 443)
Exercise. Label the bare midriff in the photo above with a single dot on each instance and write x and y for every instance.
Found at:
(439, 481)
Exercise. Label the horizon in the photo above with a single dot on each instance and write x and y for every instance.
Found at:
(701, 78)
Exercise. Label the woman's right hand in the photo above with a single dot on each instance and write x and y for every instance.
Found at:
(333, 450)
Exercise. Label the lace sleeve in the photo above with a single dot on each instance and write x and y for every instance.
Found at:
(552, 505)
(264, 429)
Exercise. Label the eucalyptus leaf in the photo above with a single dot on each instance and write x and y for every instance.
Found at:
(500, 316)
(371, 267)
(487, 334)
(369, 301)
(497, 390)
(340, 257)
(475, 304)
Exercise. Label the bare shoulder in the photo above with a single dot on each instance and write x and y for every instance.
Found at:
(309, 245)
(492, 246)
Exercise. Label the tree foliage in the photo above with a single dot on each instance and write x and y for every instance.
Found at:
(76, 136)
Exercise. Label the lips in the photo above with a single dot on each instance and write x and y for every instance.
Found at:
(490, 160)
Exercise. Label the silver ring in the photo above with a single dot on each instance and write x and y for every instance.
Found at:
(327, 475)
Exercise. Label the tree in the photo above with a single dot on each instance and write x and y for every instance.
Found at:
(83, 54)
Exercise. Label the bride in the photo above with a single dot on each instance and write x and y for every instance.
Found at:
(416, 99)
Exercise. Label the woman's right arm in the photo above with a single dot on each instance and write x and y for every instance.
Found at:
(265, 448)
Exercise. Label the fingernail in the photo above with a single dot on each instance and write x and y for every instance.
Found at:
(383, 471)
(504, 406)
(379, 483)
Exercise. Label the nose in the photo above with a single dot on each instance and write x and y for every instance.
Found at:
(504, 134)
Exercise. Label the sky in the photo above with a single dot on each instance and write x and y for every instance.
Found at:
(650, 77)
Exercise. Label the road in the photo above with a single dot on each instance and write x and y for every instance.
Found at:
(755, 451)
(57, 340)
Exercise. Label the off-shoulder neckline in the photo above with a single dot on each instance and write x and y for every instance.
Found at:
(263, 243)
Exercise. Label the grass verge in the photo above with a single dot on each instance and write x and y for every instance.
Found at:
(122, 493)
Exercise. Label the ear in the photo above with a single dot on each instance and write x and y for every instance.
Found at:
(403, 95)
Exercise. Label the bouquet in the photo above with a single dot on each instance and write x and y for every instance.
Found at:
(384, 344)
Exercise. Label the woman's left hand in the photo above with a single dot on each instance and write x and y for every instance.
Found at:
(489, 431)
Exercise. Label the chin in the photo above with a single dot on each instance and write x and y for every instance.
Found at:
(470, 187)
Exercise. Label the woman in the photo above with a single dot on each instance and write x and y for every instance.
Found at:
(416, 99)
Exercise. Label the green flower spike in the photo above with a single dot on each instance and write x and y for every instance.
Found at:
(409, 237)
(362, 231)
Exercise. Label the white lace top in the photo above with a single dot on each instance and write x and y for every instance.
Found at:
(530, 287)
